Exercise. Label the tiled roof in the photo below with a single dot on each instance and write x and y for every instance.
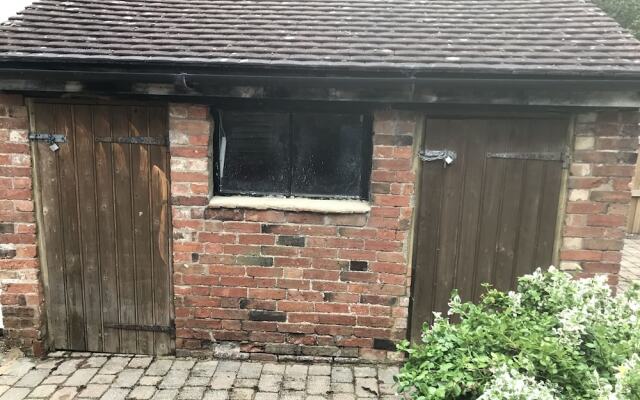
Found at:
(503, 36)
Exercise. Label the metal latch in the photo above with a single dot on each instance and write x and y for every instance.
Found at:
(447, 156)
(50, 138)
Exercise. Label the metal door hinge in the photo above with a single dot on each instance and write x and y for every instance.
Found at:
(145, 328)
(541, 156)
(157, 141)
(447, 156)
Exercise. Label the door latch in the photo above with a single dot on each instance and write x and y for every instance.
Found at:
(447, 156)
(50, 138)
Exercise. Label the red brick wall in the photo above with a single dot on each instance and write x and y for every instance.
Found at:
(599, 193)
(267, 283)
(19, 268)
(291, 283)
(310, 284)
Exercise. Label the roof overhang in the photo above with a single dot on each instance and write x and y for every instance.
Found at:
(406, 87)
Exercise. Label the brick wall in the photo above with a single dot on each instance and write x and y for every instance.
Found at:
(599, 193)
(19, 268)
(300, 284)
(265, 284)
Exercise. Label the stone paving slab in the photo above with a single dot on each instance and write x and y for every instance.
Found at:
(67, 376)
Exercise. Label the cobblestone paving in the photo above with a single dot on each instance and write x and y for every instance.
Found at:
(66, 376)
(630, 266)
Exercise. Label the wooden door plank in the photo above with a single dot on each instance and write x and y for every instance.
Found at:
(531, 202)
(633, 224)
(51, 227)
(510, 212)
(528, 139)
(88, 223)
(495, 173)
(106, 233)
(471, 207)
(71, 230)
(160, 232)
(124, 228)
(548, 217)
(140, 165)
(426, 239)
(453, 137)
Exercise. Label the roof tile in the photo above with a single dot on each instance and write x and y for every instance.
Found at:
(506, 36)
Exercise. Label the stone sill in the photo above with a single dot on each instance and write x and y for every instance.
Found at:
(291, 204)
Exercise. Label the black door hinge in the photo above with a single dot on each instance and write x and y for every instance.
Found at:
(145, 328)
(154, 141)
(540, 156)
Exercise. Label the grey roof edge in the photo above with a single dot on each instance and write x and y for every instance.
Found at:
(486, 71)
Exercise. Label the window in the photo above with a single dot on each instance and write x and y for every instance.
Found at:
(292, 154)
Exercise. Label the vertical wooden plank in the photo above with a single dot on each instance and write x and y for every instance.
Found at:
(471, 208)
(548, 218)
(495, 172)
(452, 136)
(124, 228)
(88, 224)
(528, 139)
(106, 233)
(140, 164)
(527, 242)
(510, 211)
(51, 227)
(70, 228)
(633, 224)
(426, 239)
(160, 232)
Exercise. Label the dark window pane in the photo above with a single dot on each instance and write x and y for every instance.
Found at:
(254, 153)
(328, 155)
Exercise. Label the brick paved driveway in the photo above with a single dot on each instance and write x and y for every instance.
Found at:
(65, 376)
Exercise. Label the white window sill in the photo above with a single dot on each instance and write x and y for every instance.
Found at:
(291, 204)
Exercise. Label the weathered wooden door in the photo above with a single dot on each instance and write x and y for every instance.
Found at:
(103, 220)
(490, 216)
(633, 220)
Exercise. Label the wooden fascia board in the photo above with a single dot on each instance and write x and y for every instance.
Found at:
(337, 89)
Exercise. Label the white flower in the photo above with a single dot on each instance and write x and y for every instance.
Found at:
(509, 384)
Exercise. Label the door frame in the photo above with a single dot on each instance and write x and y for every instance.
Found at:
(44, 275)
(421, 132)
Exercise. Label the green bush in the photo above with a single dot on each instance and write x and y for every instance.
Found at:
(626, 12)
(555, 338)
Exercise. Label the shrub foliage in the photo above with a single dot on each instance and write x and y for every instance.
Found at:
(626, 12)
(555, 338)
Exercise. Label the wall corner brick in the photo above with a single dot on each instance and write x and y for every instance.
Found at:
(603, 165)
(21, 289)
